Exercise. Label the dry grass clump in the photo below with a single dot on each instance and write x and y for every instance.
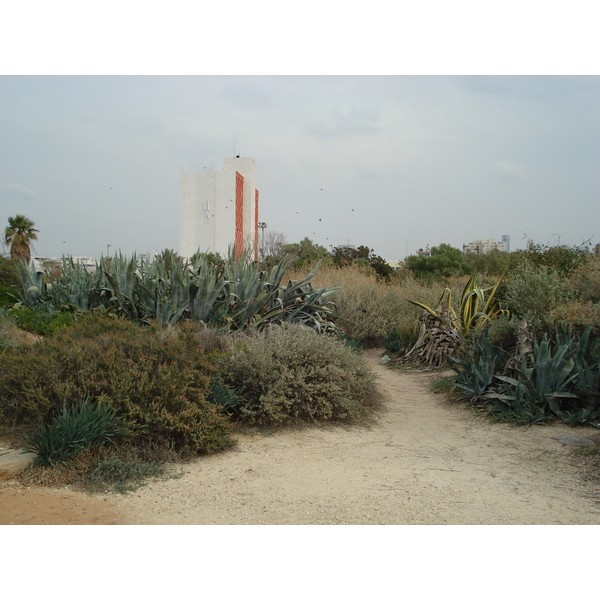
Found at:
(578, 314)
(293, 375)
(585, 280)
(11, 335)
(369, 309)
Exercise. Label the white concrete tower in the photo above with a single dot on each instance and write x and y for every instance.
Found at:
(219, 209)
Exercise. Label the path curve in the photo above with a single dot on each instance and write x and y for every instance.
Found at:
(424, 462)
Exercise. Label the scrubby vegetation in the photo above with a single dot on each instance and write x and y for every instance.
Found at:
(291, 375)
(157, 380)
(181, 353)
(171, 383)
(369, 308)
(539, 360)
(9, 280)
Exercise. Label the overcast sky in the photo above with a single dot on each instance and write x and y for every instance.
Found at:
(391, 162)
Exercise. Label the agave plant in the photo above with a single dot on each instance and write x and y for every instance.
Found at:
(33, 284)
(475, 309)
(548, 379)
(204, 291)
(236, 294)
(443, 331)
(476, 368)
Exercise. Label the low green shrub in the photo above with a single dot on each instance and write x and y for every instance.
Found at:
(502, 332)
(531, 293)
(393, 341)
(292, 375)
(356, 345)
(156, 379)
(585, 280)
(43, 319)
(76, 428)
(120, 474)
(8, 280)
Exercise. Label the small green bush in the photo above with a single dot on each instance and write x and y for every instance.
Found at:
(503, 332)
(585, 280)
(120, 474)
(76, 428)
(8, 279)
(156, 379)
(532, 293)
(291, 375)
(43, 319)
(393, 341)
(356, 345)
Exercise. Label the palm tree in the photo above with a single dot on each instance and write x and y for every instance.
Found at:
(19, 234)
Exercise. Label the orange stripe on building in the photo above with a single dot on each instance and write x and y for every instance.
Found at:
(239, 215)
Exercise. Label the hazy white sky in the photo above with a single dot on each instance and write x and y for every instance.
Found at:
(393, 162)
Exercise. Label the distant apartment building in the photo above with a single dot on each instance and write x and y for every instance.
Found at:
(42, 263)
(485, 246)
(219, 209)
(395, 264)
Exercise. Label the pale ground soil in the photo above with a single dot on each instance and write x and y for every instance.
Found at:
(424, 461)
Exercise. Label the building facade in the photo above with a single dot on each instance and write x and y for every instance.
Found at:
(219, 209)
(485, 246)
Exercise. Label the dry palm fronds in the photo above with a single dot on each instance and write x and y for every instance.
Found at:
(438, 339)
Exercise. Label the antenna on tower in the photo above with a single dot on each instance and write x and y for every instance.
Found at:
(234, 154)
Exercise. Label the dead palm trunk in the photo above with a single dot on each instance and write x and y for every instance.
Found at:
(438, 339)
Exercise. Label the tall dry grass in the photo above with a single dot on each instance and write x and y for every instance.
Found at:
(369, 308)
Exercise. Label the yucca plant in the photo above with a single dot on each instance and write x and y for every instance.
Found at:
(76, 428)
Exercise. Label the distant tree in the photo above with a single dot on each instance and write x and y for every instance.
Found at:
(493, 263)
(559, 258)
(19, 235)
(444, 262)
(272, 246)
(304, 254)
(212, 257)
(8, 280)
(362, 255)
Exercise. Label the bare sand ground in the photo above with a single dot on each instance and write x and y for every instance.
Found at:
(424, 461)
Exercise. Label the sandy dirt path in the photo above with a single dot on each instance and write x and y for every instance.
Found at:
(423, 462)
